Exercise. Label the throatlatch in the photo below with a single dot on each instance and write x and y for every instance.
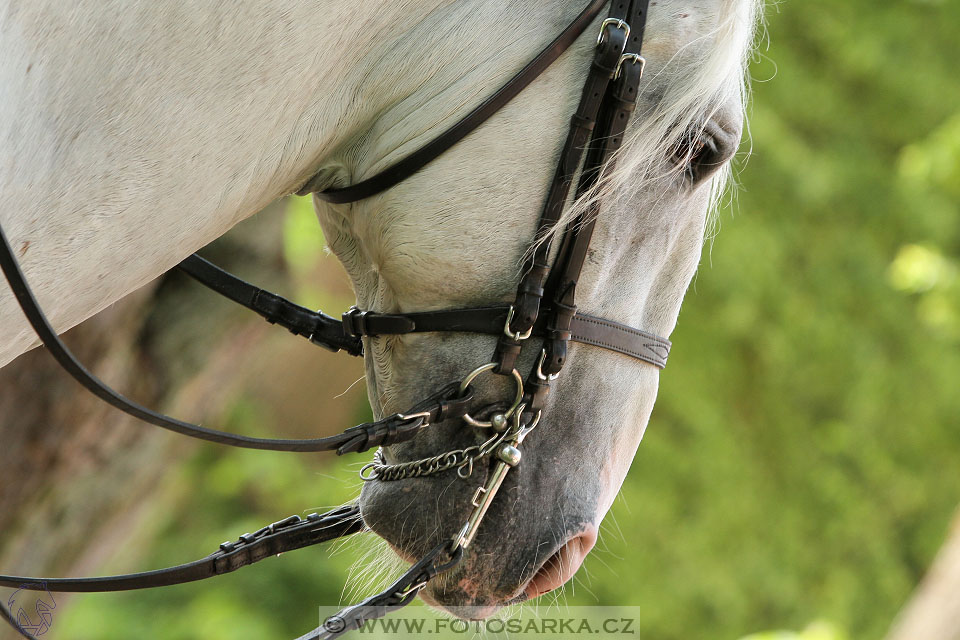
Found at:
(544, 308)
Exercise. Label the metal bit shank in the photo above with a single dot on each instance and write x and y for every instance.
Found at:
(508, 456)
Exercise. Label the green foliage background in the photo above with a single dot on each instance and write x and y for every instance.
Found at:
(802, 461)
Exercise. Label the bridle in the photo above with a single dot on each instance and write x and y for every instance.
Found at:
(544, 307)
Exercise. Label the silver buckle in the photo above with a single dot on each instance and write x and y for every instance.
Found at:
(540, 374)
(635, 58)
(618, 23)
(510, 334)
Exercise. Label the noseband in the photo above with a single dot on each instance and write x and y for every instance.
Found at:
(544, 307)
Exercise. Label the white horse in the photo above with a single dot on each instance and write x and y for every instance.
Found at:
(133, 133)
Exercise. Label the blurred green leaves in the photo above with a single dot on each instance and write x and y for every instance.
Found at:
(929, 176)
(816, 631)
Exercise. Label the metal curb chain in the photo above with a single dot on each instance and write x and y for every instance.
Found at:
(463, 459)
(506, 426)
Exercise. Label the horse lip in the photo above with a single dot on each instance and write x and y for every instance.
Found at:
(555, 571)
(560, 567)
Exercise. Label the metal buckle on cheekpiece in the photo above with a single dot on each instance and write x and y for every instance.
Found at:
(635, 58)
(616, 22)
(518, 336)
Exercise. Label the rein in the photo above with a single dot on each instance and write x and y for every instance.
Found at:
(544, 307)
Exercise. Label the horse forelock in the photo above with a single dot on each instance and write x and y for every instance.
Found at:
(700, 77)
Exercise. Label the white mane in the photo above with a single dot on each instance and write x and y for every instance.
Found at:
(687, 100)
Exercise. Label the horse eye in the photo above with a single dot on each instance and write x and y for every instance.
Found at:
(689, 153)
(700, 155)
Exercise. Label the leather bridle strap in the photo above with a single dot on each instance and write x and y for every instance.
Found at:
(316, 326)
(345, 334)
(399, 594)
(615, 112)
(448, 402)
(288, 534)
(418, 159)
(291, 533)
(530, 291)
(596, 131)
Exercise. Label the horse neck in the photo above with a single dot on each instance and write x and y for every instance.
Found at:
(134, 135)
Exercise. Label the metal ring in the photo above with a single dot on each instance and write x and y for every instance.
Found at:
(636, 58)
(510, 334)
(483, 369)
(620, 24)
(547, 378)
(370, 477)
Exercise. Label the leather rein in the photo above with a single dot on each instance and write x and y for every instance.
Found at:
(544, 307)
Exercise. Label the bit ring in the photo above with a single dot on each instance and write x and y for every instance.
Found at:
(518, 398)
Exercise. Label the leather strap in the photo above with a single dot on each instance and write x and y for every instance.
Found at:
(584, 328)
(399, 594)
(530, 290)
(418, 159)
(558, 324)
(615, 113)
(446, 403)
(316, 326)
(288, 534)
(345, 334)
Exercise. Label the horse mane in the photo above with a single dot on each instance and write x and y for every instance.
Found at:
(719, 59)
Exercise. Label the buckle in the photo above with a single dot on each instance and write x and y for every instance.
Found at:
(635, 58)
(514, 335)
(550, 377)
(616, 22)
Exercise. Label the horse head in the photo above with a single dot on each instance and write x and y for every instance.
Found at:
(456, 233)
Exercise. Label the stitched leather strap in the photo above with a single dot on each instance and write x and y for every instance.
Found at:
(614, 114)
(418, 159)
(530, 290)
(399, 594)
(584, 328)
(285, 535)
(316, 326)
(618, 106)
(446, 403)
(325, 331)
(288, 534)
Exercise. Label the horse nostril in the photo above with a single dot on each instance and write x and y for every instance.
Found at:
(562, 565)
